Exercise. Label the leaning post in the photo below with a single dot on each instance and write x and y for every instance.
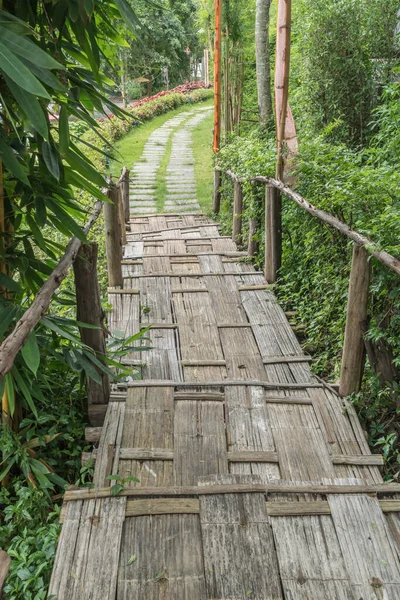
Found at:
(125, 193)
(353, 359)
(237, 212)
(113, 238)
(121, 213)
(273, 233)
(217, 191)
(89, 311)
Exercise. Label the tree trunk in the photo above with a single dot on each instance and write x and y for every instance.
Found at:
(263, 67)
(89, 311)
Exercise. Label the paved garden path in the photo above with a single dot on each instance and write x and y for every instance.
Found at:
(179, 177)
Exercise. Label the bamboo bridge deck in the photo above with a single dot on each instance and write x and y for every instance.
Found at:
(255, 479)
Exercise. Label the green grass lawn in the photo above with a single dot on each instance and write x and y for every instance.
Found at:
(203, 161)
(128, 149)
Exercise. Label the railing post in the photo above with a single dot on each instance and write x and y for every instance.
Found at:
(113, 238)
(237, 212)
(273, 233)
(125, 194)
(252, 245)
(353, 358)
(89, 311)
(217, 191)
(121, 213)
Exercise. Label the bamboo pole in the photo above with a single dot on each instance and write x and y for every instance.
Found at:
(89, 311)
(17, 338)
(353, 358)
(113, 238)
(217, 76)
(282, 72)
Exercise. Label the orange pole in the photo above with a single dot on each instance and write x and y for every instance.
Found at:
(282, 71)
(217, 75)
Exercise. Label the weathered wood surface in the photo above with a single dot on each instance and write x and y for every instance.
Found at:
(243, 456)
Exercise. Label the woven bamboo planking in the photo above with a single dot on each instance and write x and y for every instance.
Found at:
(229, 434)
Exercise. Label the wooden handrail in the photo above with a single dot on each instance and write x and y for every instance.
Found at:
(361, 240)
(27, 323)
(353, 358)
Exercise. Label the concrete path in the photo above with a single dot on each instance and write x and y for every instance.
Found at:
(180, 176)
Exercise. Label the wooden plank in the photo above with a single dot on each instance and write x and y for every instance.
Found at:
(114, 291)
(188, 290)
(92, 434)
(253, 456)
(146, 454)
(319, 507)
(133, 261)
(249, 432)
(215, 397)
(301, 446)
(288, 400)
(225, 298)
(239, 553)
(242, 355)
(108, 444)
(162, 506)
(246, 288)
(148, 424)
(168, 562)
(198, 333)
(271, 488)
(225, 383)
(298, 509)
(311, 564)
(361, 459)
(367, 545)
(203, 363)
(199, 441)
(275, 360)
(86, 564)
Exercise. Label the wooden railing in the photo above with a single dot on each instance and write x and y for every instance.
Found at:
(353, 356)
(84, 259)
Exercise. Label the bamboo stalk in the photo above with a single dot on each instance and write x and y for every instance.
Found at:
(17, 338)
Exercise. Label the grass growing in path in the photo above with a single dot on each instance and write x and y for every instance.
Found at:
(128, 149)
(203, 162)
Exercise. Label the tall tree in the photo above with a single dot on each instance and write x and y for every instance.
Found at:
(263, 60)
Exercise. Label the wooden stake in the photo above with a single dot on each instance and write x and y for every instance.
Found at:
(217, 191)
(113, 239)
(237, 213)
(353, 359)
(89, 311)
(121, 215)
(252, 245)
(217, 76)
(273, 235)
(125, 193)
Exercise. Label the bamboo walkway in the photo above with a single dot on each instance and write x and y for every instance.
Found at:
(255, 479)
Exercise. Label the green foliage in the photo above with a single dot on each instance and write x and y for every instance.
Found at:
(30, 534)
(343, 52)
